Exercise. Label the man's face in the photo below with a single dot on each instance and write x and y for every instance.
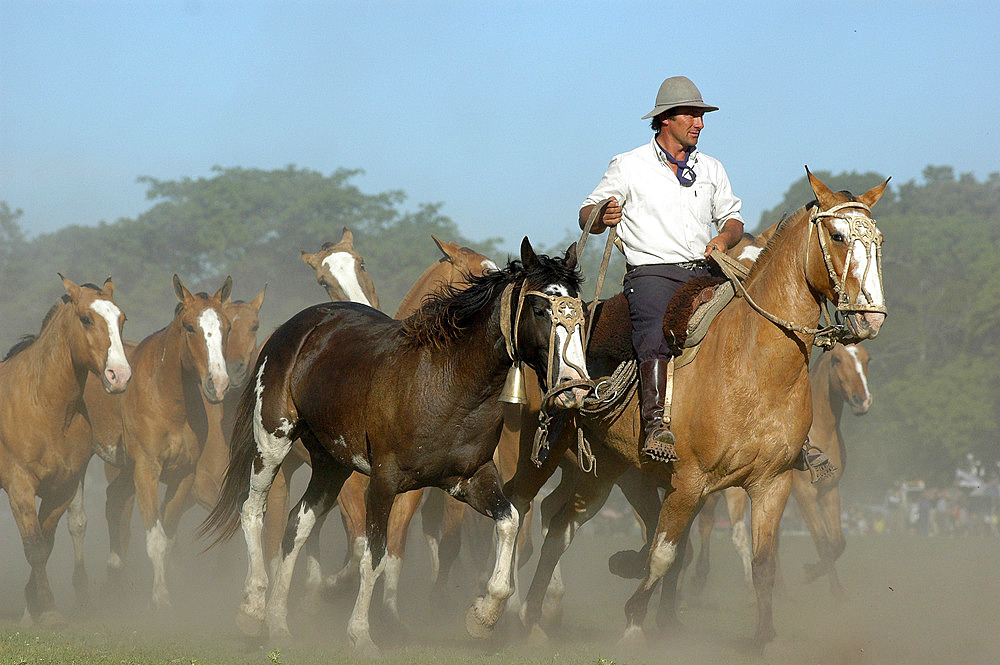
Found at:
(685, 125)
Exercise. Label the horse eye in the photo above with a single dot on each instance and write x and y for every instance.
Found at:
(188, 327)
(85, 320)
(538, 311)
(254, 329)
(363, 265)
(837, 237)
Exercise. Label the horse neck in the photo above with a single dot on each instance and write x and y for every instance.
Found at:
(779, 286)
(163, 353)
(50, 364)
(828, 400)
(432, 280)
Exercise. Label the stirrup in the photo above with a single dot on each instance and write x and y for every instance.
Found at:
(816, 462)
(659, 446)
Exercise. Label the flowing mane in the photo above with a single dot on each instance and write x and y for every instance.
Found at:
(442, 316)
(784, 224)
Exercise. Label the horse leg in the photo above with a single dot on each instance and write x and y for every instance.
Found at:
(403, 509)
(147, 486)
(277, 511)
(640, 489)
(431, 517)
(378, 504)
(453, 512)
(678, 509)
(829, 503)
(807, 496)
(483, 493)
(352, 509)
(320, 495)
(40, 605)
(666, 612)
(118, 513)
(583, 501)
(767, 503)
(76, 522)
(736, 505)
(706, 521)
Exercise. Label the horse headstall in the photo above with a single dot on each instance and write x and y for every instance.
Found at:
(861, 231)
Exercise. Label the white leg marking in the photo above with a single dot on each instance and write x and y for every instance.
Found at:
(741, 541)
(393, 566)
(357, 627)
(487, 609)
(157, 547)
(277, 604)
(660, 559)
(433, 547)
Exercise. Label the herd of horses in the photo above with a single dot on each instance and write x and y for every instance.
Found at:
(382, 408)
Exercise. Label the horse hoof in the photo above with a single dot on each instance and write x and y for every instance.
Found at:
(537, 637)
(279, 634)
(51, 619)
(628, 564)
(812, 571)
(248, 625)
(365, 649)
(477, 625)
(633, 639)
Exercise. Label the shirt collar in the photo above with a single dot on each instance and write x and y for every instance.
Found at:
(692, 157)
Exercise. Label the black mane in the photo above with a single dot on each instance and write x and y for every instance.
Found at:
(442, 316)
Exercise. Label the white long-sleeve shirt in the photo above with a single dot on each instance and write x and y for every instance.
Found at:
(663, 222)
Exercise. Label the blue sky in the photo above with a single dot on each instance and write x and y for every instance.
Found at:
(506, 112)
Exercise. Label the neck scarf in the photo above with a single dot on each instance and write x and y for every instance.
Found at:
(685, 174)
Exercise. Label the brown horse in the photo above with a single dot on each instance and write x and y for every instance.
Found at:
(42, 381)
(391, 400)
(742, 407)
(156, 434)
(341, 271)
(839, 377)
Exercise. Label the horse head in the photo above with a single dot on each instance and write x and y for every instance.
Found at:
(549, 320)
(849, 376)
(96, 333)
(341, 271)
(204, 329)
(244, 321)
(847, 269)
(463, 260)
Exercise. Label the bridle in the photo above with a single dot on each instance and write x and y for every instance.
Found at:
(567, 311)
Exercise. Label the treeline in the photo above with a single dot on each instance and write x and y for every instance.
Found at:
(935, 370)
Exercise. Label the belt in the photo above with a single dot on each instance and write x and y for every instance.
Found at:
(687, 265)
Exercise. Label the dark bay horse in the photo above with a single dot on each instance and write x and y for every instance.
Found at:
(838, 378)
(410, 404)
(42, 380)
(341, 271)
(742, 408)
(155, 433)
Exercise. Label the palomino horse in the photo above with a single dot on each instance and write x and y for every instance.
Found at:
(839, 377)
(42, 381)
(162, 427)
(742, 407)
(391, 400)
(341, 271)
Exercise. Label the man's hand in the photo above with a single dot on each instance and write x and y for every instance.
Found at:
(716, 243)
(611, 217)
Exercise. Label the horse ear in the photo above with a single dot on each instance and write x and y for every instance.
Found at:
(871, 197)
(181, 290)
(826, 198)
(347, 237)
(225, 290)
(528, 256)
(310, 259)
(259, 300)
(71, 287)
(571, 256)
(108, 287)
(445, 247)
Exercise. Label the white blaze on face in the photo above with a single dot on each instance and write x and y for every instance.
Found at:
(116, 349)
(211, 327)
(859, 368)
(490, 266)
(872, 285)
(341, 266)
(574, 351)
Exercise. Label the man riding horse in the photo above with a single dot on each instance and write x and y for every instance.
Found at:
(665, 197)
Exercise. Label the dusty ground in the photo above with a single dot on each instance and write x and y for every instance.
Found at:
(909, 600)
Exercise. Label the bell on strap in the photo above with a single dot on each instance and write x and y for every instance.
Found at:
(513, 387)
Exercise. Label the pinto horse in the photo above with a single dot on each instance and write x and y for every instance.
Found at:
(42, 380)
(742, 407)
(341, 271)
(838, 378)
(156, 434)
(410, 404)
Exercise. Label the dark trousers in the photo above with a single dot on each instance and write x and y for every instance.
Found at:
(648, 290)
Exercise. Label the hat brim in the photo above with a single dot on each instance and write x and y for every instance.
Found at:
(696, 104)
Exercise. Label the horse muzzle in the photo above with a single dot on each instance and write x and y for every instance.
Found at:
(116, 378)
(214, 387)
(572, 397)
(863, 325)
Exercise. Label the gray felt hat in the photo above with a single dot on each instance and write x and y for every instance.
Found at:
(678, 91)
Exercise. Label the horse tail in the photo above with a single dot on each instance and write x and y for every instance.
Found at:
(224, 518)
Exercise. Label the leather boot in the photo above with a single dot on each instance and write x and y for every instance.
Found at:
(657, 440)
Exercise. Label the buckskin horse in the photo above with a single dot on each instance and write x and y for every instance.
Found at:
(742, 407)
(156, 433)
(838, 378)
(410, 404)
(42, 379)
